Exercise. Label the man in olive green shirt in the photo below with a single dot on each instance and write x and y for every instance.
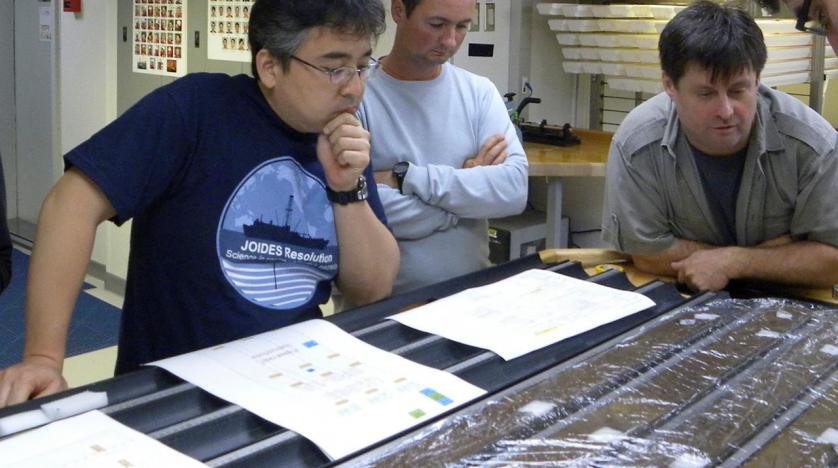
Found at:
(720, 178)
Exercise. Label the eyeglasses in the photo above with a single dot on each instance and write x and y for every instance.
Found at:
(342, 75)
(817, 26)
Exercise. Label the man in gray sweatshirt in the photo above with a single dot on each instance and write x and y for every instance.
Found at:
(444, 150)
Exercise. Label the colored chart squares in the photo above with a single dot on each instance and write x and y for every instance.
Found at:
(436, 396)
(417, 414)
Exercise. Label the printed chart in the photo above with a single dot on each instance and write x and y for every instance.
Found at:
(321, 382)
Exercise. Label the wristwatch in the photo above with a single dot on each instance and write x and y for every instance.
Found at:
(351, 196)
(399, 173)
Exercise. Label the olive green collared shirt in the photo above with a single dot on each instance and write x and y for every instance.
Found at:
(654, 194)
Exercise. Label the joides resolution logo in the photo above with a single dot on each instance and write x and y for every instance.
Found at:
(276, 238)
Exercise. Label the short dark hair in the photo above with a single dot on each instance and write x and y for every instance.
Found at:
(281, 26)
(722, 39)
(410, 5)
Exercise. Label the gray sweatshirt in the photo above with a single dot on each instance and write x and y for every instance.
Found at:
(440, 221)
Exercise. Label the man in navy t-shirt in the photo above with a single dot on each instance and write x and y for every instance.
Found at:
(249, 197)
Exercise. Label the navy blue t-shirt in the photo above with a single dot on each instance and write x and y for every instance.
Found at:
(721, 177)
(232, 232)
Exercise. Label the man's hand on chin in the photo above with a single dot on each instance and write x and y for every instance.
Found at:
(343, 150)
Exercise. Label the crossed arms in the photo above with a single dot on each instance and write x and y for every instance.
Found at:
(490, 184)
(705, 267)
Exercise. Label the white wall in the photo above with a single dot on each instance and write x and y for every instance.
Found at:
(556, 88)
(35, 94)
(565, 98)
(830, 102)
(496, 68)
(385, 41)
(88, 100)
(7, 104)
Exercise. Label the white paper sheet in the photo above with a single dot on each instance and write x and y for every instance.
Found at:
(53, 411)
(523, 313)
(321, 382)
(89, 440)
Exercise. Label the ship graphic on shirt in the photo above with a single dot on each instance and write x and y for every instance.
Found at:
(282, 233)
(276, 239)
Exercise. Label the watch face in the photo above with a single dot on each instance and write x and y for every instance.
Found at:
(400, 168)
(399, 173)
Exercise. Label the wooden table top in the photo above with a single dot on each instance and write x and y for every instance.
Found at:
(586, 159)
(590, 258)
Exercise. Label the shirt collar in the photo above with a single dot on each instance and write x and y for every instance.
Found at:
(670, 131)
(769, 134)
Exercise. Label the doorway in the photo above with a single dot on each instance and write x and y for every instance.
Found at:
(27, 130)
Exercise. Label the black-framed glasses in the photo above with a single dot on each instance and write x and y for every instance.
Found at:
(342, 75)
(804, 24)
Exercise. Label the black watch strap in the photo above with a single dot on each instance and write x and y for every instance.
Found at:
(352, 196)
(399, 173)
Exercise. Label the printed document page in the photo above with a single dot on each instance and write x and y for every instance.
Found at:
(89, 440)
(523, 313)
(319, 381)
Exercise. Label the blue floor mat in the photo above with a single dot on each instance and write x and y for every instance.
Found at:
(95, 323)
